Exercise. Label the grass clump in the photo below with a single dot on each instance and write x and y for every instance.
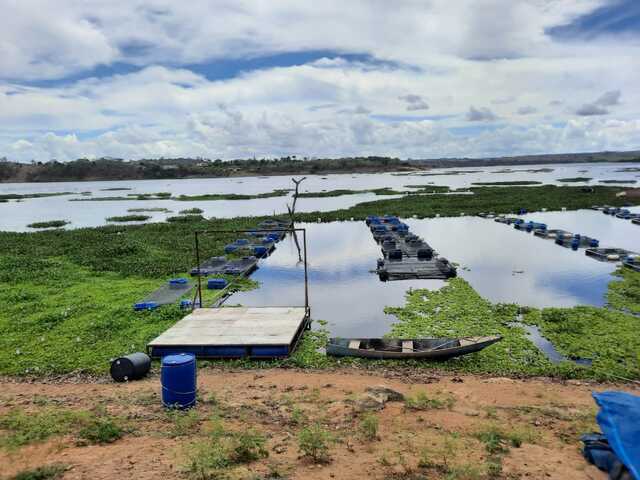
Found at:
(128, 218)
(422, 402)
(182, 422)
(368, 427)
(153, 209)
(100, 430)
(48, 472)
(313, 442)
(186, 219)
(497, 440)
(617, 181)
(624, 295)
(574, 179)
(191, 211)
(281, 192)
(507, 183)
(212, 457)
(49, 224)
(22, 196)
(24, 428)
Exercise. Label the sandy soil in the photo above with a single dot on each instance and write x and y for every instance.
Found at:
(439, 441)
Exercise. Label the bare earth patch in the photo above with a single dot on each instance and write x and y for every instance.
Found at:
(454, 427)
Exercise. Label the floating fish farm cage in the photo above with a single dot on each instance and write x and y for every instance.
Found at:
(506, 220)
(577, 241)
(236, 332)
(405, 255)
(552, 234)
(609, 254)
(529, 226)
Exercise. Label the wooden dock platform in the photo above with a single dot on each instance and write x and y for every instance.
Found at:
(234, 332)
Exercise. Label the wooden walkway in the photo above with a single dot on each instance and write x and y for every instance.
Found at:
(234, 332)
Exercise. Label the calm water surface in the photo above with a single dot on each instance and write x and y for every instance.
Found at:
(17, 215)
(501, 263)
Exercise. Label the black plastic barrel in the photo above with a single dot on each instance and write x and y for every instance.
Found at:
(130, 367)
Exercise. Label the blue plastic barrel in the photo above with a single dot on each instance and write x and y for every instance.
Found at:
(594, 243)
(230, 248)
(259, 250)
(179, 380)
(242, 241)
(178, 281)
(145, 306)
(216, 283)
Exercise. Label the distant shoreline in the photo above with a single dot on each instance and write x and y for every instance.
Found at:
(107, 169)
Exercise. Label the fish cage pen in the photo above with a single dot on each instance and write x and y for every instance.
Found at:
(236, 332)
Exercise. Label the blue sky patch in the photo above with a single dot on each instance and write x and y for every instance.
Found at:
(620, 17)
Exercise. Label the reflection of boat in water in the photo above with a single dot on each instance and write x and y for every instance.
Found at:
(421, 348)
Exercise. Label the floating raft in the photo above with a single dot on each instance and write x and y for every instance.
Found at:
(636, 221)
(552, 234)
(166, 294)
(577, 241)
(405, 255)
(211, 266)
(506, 220)
(234, 332)
(406, 269)
(529, 226)
(609, 254)
(222, 266)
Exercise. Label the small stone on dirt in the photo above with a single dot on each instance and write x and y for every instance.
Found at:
(369, 402)
(385, 393)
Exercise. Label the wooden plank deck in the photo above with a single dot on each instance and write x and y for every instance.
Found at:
(231, 332)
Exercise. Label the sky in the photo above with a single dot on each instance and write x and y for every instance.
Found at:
(237, 79)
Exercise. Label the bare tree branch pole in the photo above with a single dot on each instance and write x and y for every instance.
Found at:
(292, 212)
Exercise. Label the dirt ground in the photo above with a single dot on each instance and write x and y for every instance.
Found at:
(441, 434)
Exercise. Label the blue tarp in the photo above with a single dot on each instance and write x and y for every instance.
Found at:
(619, 419)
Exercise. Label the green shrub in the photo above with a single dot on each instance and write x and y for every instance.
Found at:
(314, 442)
(182, 422)
(368, 427)
(248, 446)
(48, 472)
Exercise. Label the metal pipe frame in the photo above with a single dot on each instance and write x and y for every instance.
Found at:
(259, 230)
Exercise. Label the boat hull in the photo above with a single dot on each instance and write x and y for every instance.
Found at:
(339, 347)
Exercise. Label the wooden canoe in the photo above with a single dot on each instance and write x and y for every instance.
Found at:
(398, 348)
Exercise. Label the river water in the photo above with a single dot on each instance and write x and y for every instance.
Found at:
(16, 215)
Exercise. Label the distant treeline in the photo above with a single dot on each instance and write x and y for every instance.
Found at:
(591, 157)
(118, 169)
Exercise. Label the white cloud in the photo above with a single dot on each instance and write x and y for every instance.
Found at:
(439, 56)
